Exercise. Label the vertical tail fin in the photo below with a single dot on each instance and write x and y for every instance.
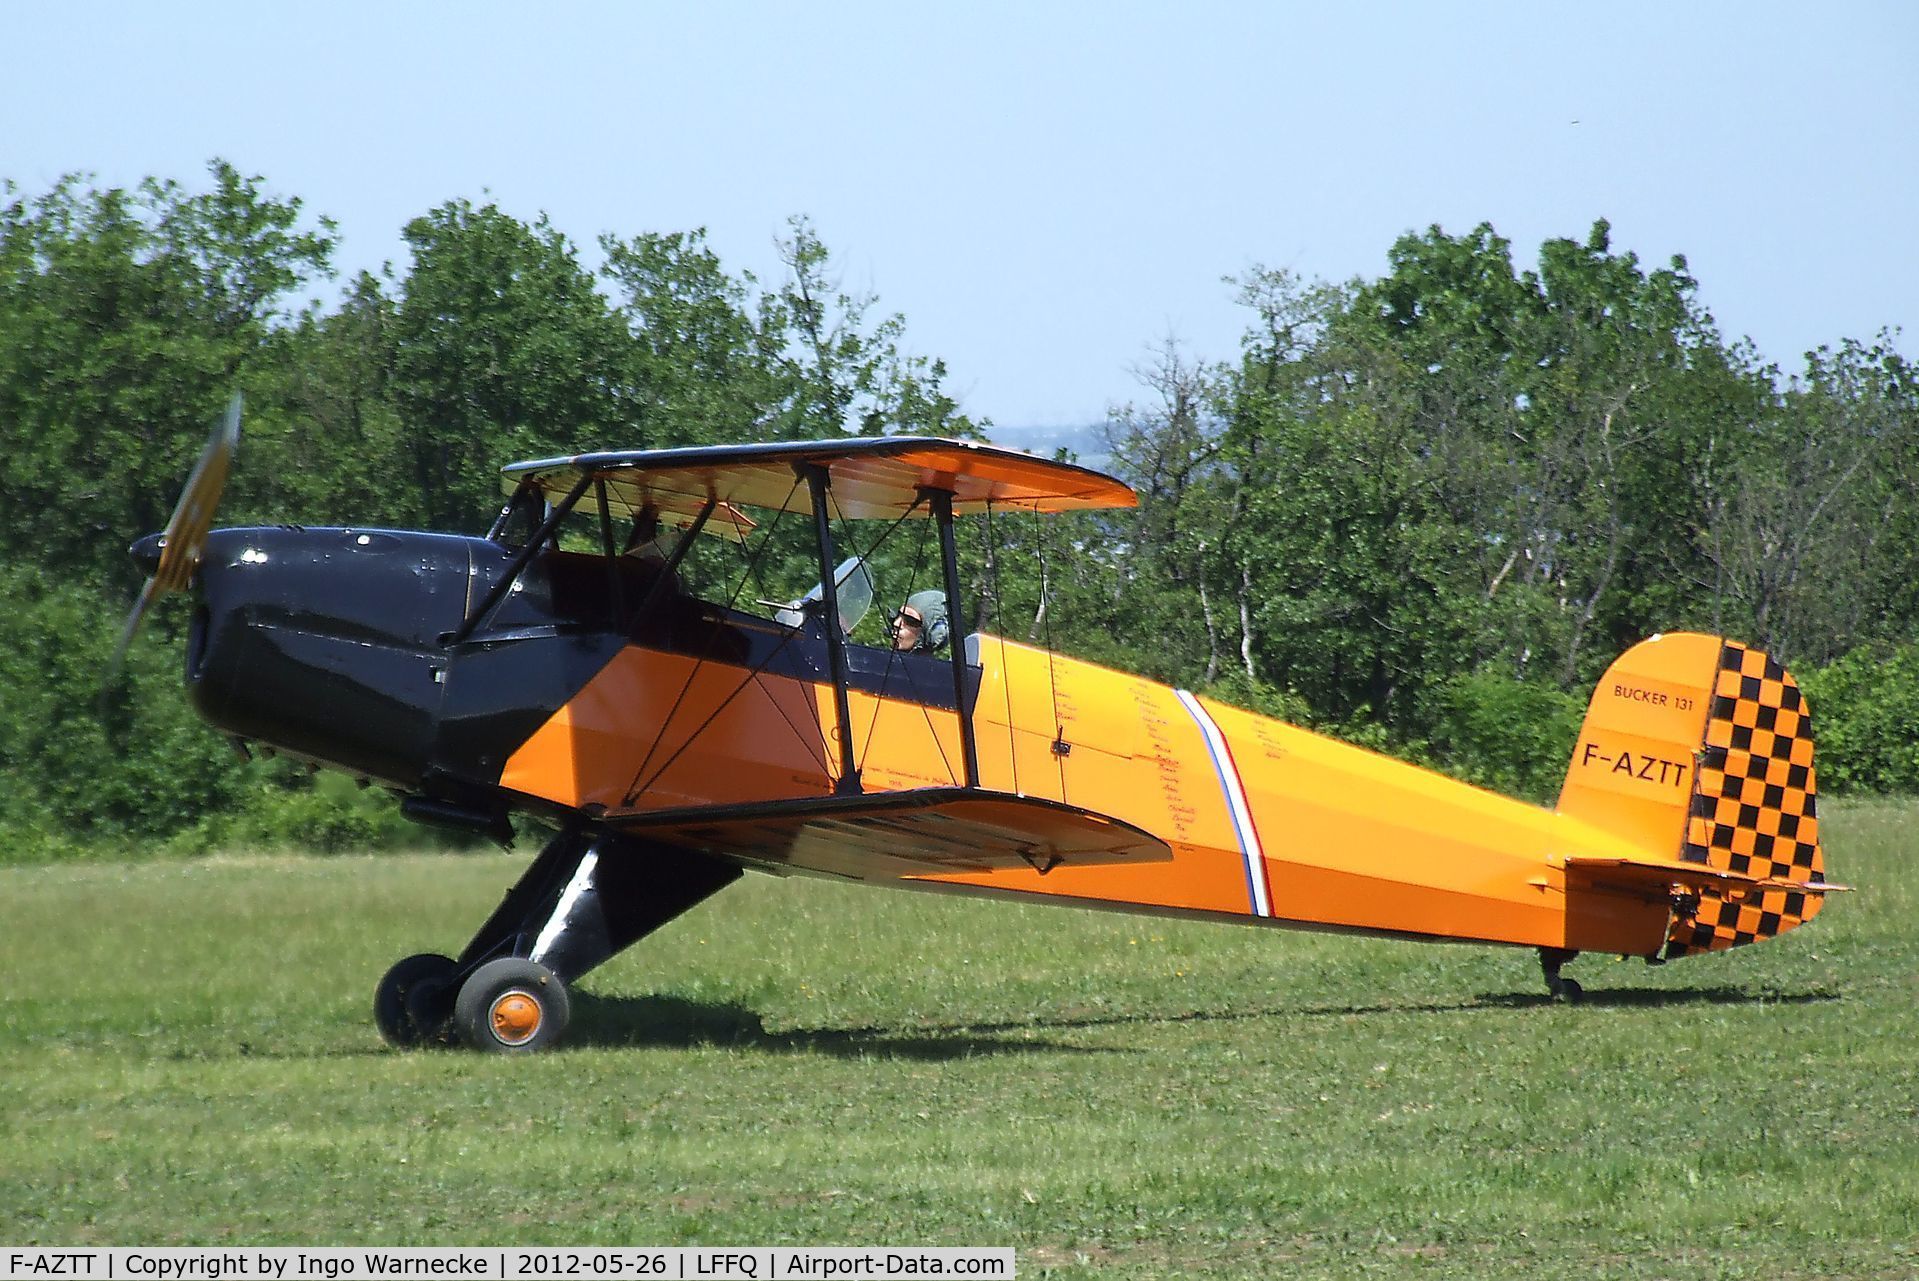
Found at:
(1700, 749)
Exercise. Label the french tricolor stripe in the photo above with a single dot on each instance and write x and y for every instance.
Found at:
(1236, 806)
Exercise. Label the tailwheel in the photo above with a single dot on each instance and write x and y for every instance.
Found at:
(1567, 990)
(511, 1006)
(405, 995)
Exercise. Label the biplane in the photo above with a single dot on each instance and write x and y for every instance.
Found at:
(678, 741)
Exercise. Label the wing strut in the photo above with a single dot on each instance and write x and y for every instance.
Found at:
(664, 579)
(817, 481)
(941, 501)
(521, 557)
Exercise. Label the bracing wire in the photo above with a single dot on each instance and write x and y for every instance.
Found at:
(892, 657)
(999, 629)
(1052, 665)
(892, 654)
(816, 746)
(888, 531)
(634, 789)
(886, 676)
(752, 676)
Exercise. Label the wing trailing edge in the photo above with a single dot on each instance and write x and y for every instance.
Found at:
(890, 835)
(873, 477)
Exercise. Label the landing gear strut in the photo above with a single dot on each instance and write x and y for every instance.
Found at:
(587, 896)
(1567, 990)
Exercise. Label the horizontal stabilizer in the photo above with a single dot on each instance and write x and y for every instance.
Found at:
(1661, 875)
(887, 835)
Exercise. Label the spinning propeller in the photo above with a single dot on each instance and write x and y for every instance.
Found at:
(186, 533)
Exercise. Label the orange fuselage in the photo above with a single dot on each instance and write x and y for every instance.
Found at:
(1266, 822)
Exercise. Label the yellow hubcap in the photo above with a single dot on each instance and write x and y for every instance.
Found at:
(515, 1017)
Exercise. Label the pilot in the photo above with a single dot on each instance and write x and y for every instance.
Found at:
(920, 626)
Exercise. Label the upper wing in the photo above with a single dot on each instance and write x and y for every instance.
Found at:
(873, 477)
(896, 834)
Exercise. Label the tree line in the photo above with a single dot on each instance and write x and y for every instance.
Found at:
(1421, 511)
(1428, 509)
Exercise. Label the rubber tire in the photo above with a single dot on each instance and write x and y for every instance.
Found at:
(473, 1010)
(430, 1006)
(1569, 991)
(392, 1010)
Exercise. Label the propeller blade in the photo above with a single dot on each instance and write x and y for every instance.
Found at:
(186, 531)
(148, 595)
(193, 516)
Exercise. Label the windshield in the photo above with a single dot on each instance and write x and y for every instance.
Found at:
(854, 584)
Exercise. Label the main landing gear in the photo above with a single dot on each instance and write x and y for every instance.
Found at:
(507, 1006)
(1567, 990)
(584, 899)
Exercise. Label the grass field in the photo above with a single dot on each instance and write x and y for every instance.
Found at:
(188, 1057)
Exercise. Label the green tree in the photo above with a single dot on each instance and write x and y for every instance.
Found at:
(1347, 550)
(502, 348)
(126, 320)
(1808, 531)
(324, 441)
(703, 367)
(844, 373)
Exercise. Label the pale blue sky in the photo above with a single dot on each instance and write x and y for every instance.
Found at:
(1044, 191)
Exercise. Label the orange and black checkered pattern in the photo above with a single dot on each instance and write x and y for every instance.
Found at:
(1754, 806)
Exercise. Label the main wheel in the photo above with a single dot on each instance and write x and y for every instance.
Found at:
(511, 1006)
(394, 998)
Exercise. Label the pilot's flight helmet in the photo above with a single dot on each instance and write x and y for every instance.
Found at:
(931, 607)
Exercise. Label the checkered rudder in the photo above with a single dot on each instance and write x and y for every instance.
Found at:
(1754, 807)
